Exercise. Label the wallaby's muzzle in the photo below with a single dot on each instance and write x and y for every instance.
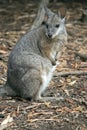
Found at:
(50, 35)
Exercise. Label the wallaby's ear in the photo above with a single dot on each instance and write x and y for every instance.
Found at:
(62, 11)
(59, 14)
(44, 19)
(45, 15)
(48, 12)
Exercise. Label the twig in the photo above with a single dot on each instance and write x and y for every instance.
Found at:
(77, 72)
(35, 105)
(4, 79)
(50, 119)
(39, 113)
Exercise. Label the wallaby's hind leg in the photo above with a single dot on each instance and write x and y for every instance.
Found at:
(34, 86)
(31, 84)
(46, 77)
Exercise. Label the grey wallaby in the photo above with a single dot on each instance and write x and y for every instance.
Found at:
(34, 58)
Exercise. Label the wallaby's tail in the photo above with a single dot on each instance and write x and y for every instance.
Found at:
(5, 90)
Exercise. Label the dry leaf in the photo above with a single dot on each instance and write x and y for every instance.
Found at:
(2, 52)
(79, 108)
(67, 92)
(18, 109)
(47, 104)
(7, 120)
(72, 83)
(68, 80)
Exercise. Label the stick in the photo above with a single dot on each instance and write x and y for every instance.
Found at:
(50, 119)
(77, 72)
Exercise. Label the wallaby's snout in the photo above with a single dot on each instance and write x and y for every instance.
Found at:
(49, 31)
(49, 35)
(52, 31)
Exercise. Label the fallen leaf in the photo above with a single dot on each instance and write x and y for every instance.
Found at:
(2, 52)
(79, 108)
(72, 83)
(7, 120)
(47, 104)
(67, 92)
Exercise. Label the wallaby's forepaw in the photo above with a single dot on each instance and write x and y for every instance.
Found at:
(53, 62)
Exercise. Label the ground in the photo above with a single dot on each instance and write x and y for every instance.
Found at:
(67, 114)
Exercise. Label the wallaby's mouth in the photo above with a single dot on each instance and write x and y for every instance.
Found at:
(50, 36)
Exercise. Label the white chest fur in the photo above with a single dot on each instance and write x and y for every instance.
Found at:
(46, 78)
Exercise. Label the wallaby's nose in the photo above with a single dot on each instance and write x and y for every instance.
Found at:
(50, 35)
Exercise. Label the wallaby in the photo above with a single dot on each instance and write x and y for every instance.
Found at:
(34, 58)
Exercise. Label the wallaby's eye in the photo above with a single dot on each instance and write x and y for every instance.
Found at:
(43, 23)
(57, 26)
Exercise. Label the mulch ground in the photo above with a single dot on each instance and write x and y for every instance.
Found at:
(69, 81)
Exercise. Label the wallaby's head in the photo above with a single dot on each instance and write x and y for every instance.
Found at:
(54, 24)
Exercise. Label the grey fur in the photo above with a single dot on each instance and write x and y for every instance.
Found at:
(34, 54)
